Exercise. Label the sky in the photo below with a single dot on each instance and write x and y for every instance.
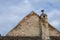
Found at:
(13, 11)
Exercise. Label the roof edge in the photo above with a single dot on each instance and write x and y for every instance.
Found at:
(54, 27)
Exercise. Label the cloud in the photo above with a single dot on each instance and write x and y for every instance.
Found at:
(54, 17)
(46, 4)
(10, 15)
(55, 23)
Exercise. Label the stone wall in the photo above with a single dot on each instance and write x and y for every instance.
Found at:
(29, 26)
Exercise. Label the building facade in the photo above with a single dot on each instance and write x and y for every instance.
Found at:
(34, 25)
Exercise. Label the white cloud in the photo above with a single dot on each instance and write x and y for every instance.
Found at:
(26, 1)
(11, 15)
(54, 17)
(36, 0)
(50, 1)
(55, 23)
(54, 13)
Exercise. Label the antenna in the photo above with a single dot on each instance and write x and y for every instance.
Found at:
(42, 11)
(0, 35)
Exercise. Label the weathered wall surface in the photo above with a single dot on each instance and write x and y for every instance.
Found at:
(29, 26)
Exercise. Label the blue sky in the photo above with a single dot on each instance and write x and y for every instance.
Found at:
(12, 11)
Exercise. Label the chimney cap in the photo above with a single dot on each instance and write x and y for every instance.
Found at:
(43, 14)
(42, 10)
(0, 34)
